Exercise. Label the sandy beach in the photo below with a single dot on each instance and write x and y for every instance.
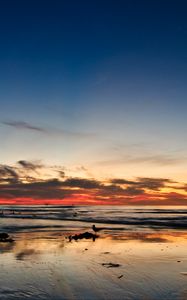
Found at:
(141, 264)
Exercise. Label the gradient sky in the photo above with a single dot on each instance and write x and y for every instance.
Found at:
(96, 89)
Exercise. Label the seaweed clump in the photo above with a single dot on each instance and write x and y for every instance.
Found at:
(86, 235)
(5, 238)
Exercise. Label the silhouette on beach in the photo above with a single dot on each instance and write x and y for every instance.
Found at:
(96, 229)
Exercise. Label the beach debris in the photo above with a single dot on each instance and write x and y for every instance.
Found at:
(178, 261)
(183, 273)
(86, 235)
(96, 229)
(107, 252)
(5, 238)
(120, 276)
(4, 235)
(110, 265)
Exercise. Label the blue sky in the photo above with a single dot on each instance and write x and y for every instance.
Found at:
(105, 81)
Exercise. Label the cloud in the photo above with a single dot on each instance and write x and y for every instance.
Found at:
(46, 189)
(30, 165)
(132, 191)
(24, 125)
(82, 183)
(8, 174)
(61, 174)
(122, 181)
(21, 125)
(182, 187)
(153, 183)
(144, 183)
(18, 185)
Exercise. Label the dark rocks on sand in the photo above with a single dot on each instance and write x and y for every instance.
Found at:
(110, 265)
(4, 237)
(85, 235)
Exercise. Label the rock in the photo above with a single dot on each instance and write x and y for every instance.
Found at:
(85, 235)
(5, 238)
(4, 235)
(110, 265)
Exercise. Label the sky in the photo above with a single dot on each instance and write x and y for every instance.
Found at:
(93, 102)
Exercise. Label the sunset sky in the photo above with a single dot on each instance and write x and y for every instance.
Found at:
(93, 102)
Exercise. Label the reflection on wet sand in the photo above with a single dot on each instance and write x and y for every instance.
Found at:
(155, 237)
(30, 244)
(33, 244)
(118, 265)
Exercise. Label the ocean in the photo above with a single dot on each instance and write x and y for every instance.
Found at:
(41, 218)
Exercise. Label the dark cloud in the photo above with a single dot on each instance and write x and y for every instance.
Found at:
(114, 191)
(55, 188)
(183, 187)
(15, 183)
(29, 165)
(82, 183)
(8, 174)
(50, 183)
(132, 191)
(109, 191)
(21, 125)
(144, 183)
(24, 125)
(112, 188)
(122, 181)
(49, 189)
(153, 183)
(61, 174)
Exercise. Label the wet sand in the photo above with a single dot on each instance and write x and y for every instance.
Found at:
(118, 265)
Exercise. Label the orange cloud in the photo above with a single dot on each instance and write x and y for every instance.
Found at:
(20, 187)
